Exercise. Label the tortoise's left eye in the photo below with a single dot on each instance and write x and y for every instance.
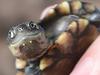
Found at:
(11, 34)
(33, 25)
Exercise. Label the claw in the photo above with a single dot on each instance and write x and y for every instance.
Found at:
(76, 6)
(48, 12)
(78, 26)
(94, 18)
(90, 8)
(33, 69)
(93, 14)
(63, 8)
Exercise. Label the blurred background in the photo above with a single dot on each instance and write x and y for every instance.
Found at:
(17, 11)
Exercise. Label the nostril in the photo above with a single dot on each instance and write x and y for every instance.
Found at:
(20, 29)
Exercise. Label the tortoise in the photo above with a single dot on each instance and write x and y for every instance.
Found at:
(54, 44)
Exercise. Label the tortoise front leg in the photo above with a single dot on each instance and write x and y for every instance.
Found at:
(75, 42)
(72, 43)
(20, 66)
(74, 7)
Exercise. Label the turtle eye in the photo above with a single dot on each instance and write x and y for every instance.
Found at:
(33, 25)
(11, 34)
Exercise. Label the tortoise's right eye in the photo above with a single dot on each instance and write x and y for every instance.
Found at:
(33, 26)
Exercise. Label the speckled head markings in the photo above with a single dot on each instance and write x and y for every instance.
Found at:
(27, 40)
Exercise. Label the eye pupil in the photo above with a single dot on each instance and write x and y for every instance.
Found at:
(32, 26)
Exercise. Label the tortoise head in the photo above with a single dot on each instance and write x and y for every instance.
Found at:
(27, 40)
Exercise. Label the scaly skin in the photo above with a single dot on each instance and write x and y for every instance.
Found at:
(54, 45)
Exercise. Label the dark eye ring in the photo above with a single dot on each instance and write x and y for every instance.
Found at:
(33, 25)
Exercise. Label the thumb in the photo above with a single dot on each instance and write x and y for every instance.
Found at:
(89, 64)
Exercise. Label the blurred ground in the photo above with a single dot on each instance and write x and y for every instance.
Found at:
(16, 11)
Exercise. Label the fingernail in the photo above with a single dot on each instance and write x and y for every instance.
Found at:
(85, 67)
(46, 11)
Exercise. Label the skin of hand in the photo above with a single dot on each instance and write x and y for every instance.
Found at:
(89, 64)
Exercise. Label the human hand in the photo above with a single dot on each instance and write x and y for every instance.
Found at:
(89, 64)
